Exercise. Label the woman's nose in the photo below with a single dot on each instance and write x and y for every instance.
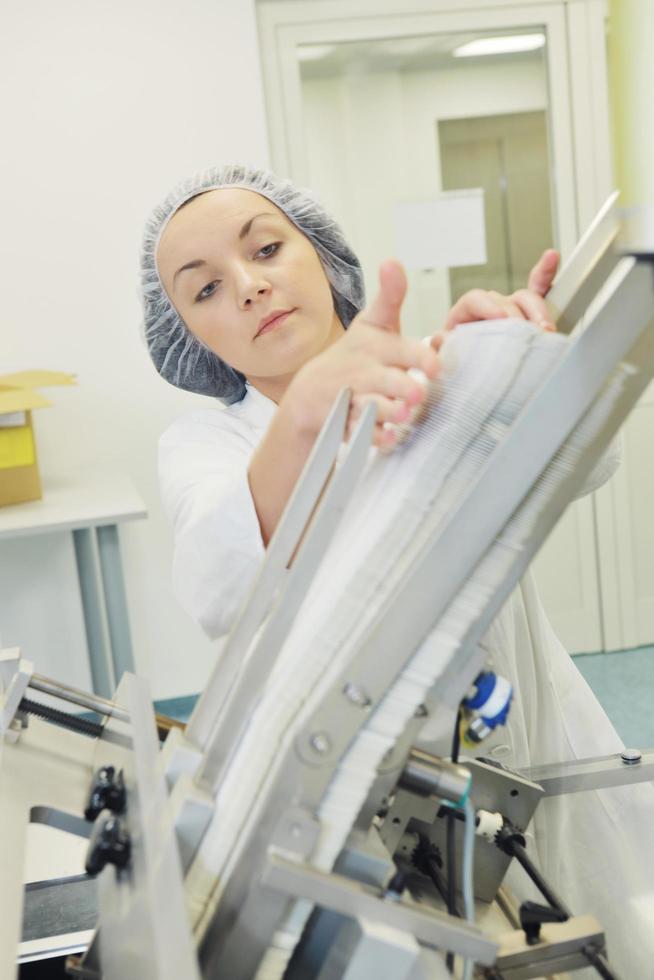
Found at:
(251, 285)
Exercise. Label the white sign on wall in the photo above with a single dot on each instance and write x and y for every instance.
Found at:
(446, 231)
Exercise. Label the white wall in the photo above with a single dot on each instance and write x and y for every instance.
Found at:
(631, 76)
(628, 504)
(372, 140)
(104, 105)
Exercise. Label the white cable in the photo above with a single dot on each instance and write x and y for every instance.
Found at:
(468, 885)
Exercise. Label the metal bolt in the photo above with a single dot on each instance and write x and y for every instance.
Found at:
(631, 756)
(357, 695)
(320, 742)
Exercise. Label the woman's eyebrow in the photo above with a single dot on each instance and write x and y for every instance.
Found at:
(245, 230)
(195, 264)
(248, 224)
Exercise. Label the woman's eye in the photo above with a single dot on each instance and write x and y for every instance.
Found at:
(208, 290)
(268, 250)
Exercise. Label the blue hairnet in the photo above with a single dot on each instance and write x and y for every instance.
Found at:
(181, 358)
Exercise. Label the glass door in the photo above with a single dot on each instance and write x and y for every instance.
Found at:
(395, 122)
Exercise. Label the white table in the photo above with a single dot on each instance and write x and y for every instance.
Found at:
(90, 505)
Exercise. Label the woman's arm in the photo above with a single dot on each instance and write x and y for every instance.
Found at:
(372, 360)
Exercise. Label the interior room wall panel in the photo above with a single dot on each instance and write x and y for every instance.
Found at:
(104, 106)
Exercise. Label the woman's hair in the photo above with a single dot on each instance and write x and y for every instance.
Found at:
(179, 356)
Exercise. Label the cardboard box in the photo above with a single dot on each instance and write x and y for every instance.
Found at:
(19, 470)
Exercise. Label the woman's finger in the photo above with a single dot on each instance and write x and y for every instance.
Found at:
(474, 305)
(384, 437)
(384, 311)
(542, 274)
(402, 352)
(388, 409)
(393, 382)
(533, 307)
(509, 307)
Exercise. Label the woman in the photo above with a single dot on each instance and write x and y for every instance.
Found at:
(252, 296)
(248, 292)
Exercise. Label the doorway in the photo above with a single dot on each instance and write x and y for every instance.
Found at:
(507, 156)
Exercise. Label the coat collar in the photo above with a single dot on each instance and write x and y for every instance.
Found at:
(255, 408)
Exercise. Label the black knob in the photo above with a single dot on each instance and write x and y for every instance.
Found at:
(533, 915)
(396, 885)
(107, 792)
(109, 844)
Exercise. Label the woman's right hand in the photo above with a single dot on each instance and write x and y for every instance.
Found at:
(372, 359)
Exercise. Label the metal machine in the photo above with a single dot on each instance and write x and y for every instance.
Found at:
(299, 893)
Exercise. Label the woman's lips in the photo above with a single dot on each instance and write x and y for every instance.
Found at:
(274, 323)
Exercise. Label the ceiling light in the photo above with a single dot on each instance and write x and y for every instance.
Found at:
(510, 44)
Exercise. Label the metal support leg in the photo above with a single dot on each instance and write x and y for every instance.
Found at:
(13, 833)
(115, 600)
(92, 608)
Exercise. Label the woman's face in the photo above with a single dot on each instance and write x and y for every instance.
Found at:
(248, 284)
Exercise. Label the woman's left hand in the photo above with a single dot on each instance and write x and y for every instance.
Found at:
(525, 304)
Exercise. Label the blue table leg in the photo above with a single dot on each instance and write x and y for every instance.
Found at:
(92, 609)
(115, 600)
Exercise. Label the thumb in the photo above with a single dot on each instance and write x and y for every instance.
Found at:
(384, 310)
(542, 274)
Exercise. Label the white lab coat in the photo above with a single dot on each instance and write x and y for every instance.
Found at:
(597, 849)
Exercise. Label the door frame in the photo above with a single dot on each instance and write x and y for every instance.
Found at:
(576, 64)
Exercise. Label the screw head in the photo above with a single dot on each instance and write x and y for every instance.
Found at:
(356, 694)
(320, 742)
(631, 756)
